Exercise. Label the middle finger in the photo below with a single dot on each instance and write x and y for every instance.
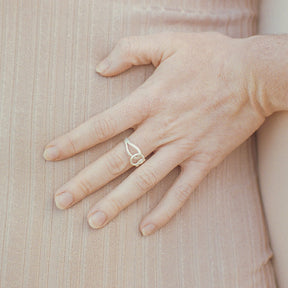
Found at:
(103, 170)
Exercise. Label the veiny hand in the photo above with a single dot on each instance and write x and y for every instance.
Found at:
(198, 105)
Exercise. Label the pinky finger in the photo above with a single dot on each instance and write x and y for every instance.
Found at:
(174, 199)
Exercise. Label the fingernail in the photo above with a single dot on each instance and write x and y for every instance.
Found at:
(148, 229)
(63, 200)
(51, 153)
(103, 66)
(97, 219)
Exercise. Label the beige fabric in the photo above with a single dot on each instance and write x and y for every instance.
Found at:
(272, 148)
(49, 50)
(273, 156)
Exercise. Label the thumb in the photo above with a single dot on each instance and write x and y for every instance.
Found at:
(135, 50)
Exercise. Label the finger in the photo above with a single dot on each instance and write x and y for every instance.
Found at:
(129, 112)
(105, 169)
(133, 187)
(174, 199)
(136, 50)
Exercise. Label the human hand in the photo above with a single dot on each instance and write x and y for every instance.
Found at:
(197, 107)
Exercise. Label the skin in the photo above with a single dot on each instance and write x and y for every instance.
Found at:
(203, 100)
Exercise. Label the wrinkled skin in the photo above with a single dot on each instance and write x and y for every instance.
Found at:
(198, 105)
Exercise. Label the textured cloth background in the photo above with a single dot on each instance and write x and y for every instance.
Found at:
(48, 85)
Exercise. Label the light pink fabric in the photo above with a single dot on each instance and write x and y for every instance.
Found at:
(49, 50)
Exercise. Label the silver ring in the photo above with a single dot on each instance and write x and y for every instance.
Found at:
(137, 158)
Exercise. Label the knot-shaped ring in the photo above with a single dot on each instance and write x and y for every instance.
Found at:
(137, 158)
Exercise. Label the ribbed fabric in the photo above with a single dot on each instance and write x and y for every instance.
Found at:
(48, 85)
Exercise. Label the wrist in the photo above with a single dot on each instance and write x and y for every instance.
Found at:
(267, 61)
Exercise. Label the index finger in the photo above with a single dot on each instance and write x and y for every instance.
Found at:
(99, 128)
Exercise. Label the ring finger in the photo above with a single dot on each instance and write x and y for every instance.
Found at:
(134, 186)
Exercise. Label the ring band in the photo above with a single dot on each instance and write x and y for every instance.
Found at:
(137, 158)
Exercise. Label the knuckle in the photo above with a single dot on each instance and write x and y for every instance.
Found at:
(115, 205)
(124, 44)
(183, 192)
(204, 157)
(116, 163)
(103, 128)
(189, 145)
(207, 159)
(71, 143)
(140, 101)
(146, 179)
(165, 128)
(84, 187)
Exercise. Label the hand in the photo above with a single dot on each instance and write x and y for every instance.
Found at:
(197, 106)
